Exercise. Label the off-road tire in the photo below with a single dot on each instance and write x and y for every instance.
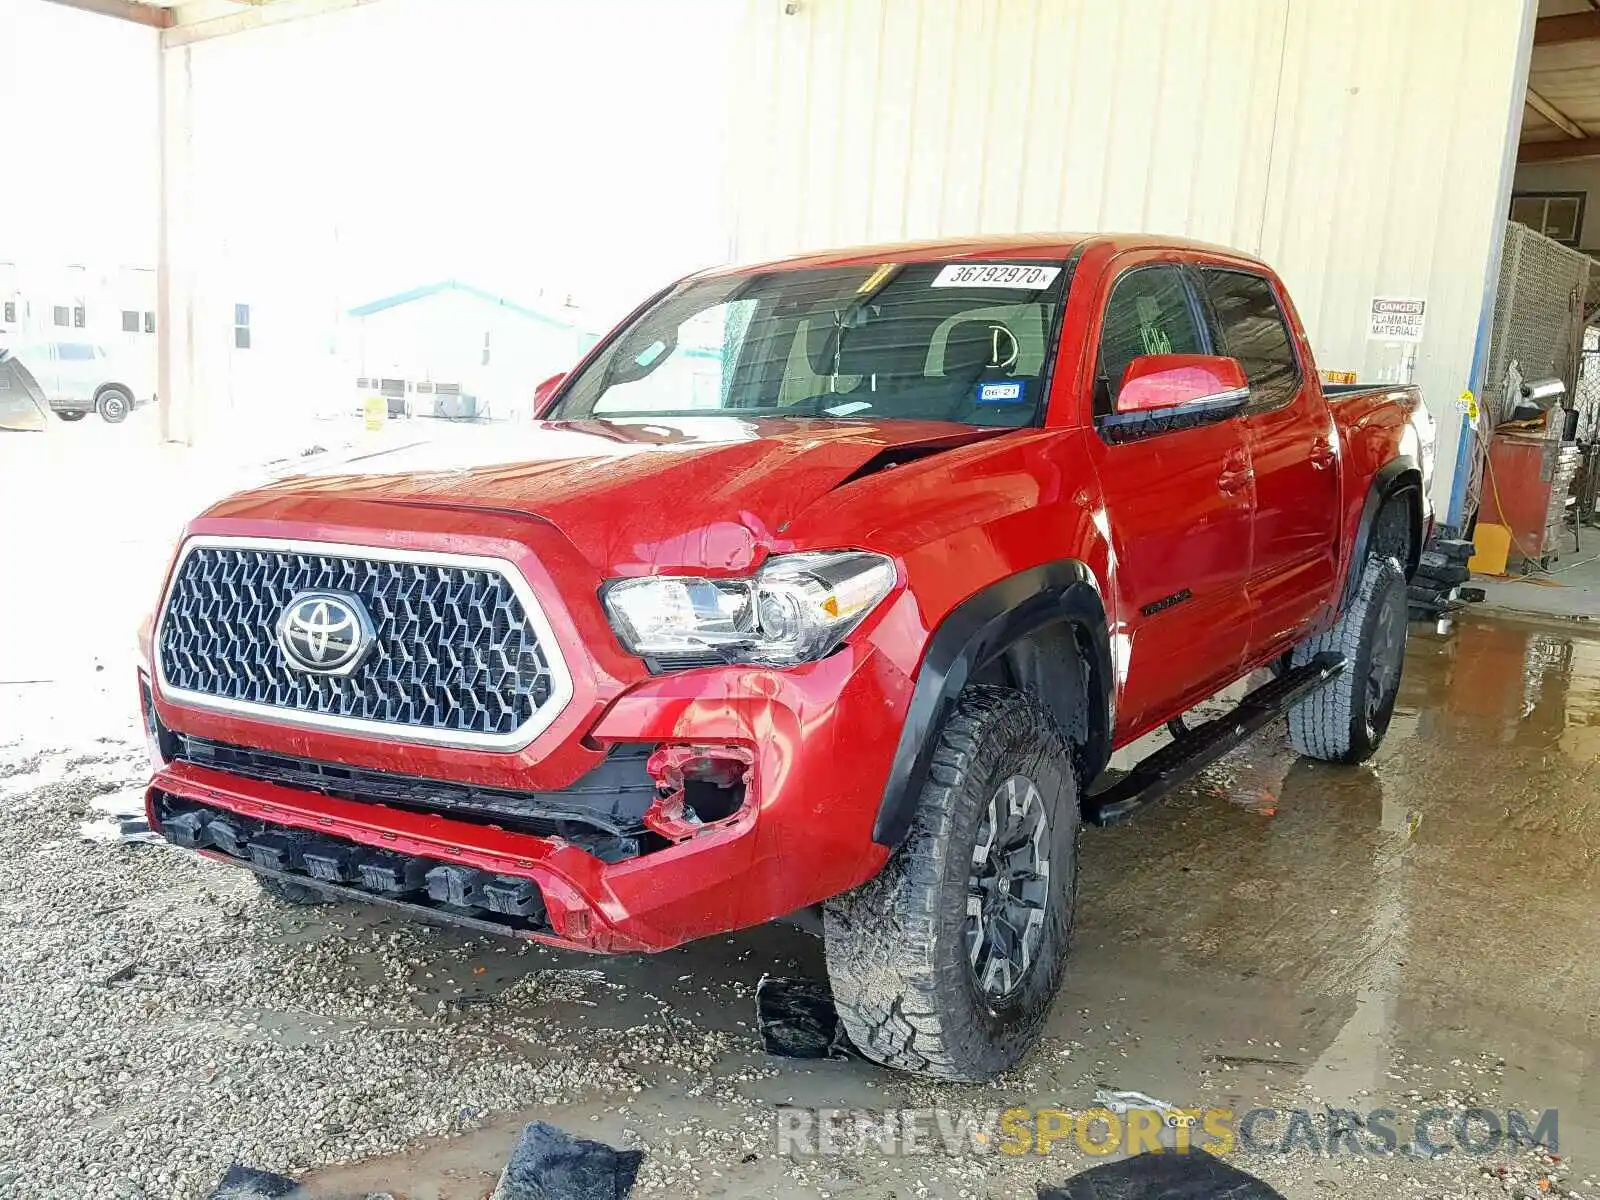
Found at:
(897, 948)
(71, 416)
(1337, 722)
(292, 893)
(113, 404)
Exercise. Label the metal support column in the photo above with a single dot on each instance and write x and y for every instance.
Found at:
(175, 373)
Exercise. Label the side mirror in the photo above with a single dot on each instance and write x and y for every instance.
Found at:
(546, 392)
(1159, 382)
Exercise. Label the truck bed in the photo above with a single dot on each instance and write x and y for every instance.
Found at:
(1336, 392)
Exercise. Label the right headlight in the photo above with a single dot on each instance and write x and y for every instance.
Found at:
(796, 609)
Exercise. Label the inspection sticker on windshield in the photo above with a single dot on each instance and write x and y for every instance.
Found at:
(1000, 393)
(1009, 275)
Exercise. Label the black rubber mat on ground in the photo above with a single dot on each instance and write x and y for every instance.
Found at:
(1194, 1176)
(551, 1164)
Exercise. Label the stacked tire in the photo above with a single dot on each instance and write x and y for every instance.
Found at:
(1435, 590)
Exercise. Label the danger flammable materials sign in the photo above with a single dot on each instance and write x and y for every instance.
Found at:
(1396, 319)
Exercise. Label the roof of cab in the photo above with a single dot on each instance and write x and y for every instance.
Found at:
(1011, 245)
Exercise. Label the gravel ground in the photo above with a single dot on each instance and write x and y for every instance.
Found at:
(160, 1018)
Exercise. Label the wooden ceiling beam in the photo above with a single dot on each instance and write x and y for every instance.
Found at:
(127, 10)
(1563, 151)
(1570, 27)
(1555, 116)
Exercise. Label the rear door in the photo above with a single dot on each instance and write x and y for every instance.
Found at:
(1289, 432)
(1179, 505)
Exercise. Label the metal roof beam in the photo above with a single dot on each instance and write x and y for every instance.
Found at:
(123, 10)
(1532, 152)
(1571, 27)
(1555, 116)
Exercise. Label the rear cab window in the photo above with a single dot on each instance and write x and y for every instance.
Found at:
(1251, 327)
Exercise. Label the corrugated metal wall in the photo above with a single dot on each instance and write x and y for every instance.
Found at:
(1355, 144)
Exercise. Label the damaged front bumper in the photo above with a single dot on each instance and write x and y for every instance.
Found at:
(521, 884)
(726, 797)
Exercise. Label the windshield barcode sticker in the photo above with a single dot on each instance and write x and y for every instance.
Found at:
(1008, 275)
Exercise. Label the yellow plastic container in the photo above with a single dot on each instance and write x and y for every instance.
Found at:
(1493, 547)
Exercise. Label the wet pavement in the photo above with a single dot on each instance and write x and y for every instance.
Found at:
(1417, 932)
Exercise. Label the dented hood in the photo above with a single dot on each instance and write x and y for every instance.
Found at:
(635, 494)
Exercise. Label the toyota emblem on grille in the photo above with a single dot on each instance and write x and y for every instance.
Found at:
(326, 633)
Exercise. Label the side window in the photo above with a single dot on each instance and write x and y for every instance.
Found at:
(1251, 328)
(1150, 311)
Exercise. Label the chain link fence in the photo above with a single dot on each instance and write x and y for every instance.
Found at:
(1538, 330)
(1587, 397)
(1587, 403)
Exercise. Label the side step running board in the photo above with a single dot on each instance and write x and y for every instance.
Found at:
(1153, 777)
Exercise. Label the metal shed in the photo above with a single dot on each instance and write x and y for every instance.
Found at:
(1365, 148)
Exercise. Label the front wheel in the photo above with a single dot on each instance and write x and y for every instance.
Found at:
(946, 962)
(71, 416)
(1345, 720)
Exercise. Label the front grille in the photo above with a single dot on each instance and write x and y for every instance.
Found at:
(460, 654)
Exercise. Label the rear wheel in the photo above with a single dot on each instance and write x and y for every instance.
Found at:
(71, 416)
(1345, 720)
(114, 405)
(947, 962)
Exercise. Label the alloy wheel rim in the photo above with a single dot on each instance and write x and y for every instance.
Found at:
(1383, 670)
(1008, 888)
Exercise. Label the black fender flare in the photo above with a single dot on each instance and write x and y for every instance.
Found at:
(1386, 483)
(974, 635)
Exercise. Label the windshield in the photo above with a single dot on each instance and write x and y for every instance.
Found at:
(966, 341)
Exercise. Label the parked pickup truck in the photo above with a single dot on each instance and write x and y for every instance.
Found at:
(822, 587)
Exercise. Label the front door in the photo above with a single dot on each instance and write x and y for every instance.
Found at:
(1179, 506)
(46, 368)
(1291, 439)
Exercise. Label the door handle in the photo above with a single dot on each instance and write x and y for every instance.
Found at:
(1322, 455)
(1232, 481)
(1236, 474)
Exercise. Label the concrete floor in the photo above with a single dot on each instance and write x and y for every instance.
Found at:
(1569, 591)
(1284, 933)
(1421, 931)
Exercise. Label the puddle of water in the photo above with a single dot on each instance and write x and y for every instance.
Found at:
(1353, 933)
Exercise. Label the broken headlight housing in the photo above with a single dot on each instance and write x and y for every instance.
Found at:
(798, 608)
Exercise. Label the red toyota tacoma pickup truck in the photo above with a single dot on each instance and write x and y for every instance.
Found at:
(829, 584)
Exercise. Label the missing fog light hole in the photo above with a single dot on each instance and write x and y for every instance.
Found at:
(697, 786)
(712, 801)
